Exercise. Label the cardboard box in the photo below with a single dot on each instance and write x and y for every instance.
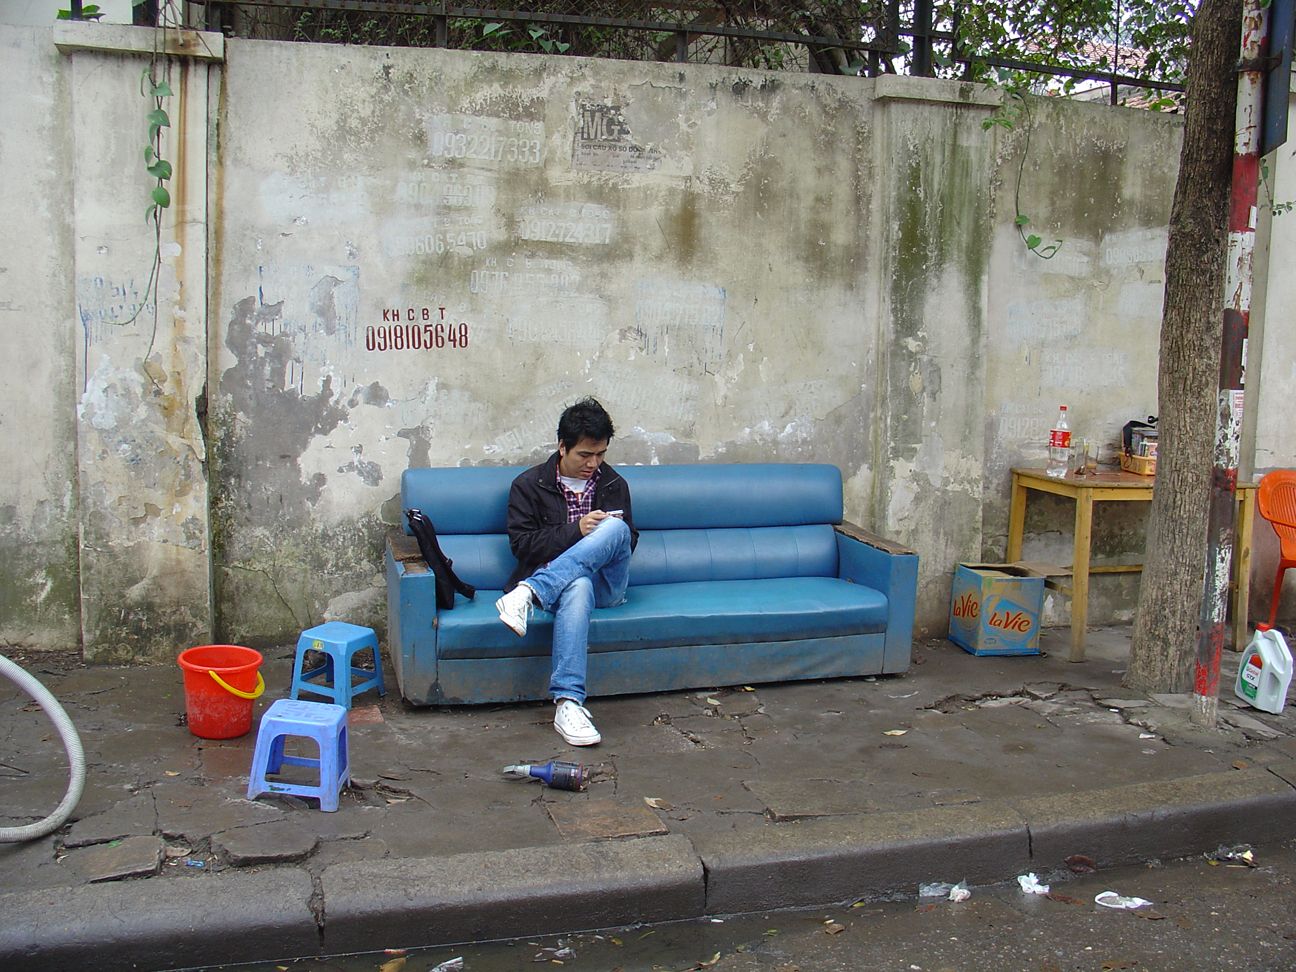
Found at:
(995, 608)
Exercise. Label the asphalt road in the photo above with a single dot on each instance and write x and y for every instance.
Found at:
(1204, 916)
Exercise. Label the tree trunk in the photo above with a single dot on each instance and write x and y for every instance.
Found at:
(1170, 597)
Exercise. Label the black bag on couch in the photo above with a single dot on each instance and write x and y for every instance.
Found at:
(447, 584)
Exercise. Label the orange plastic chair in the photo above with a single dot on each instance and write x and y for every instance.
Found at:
(1276, 500)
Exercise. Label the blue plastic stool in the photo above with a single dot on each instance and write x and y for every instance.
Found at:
(339, 641)
(321, 721)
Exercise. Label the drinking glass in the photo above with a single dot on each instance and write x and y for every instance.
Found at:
(1079, 464)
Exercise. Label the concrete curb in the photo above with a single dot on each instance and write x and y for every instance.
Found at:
(1164, 819)
(232, 917)
(842, 858)
(205, 919)
(474, 897)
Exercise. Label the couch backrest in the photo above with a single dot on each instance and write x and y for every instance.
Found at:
(734, 553)
(697, 522)
(460, 500)
(475, 499)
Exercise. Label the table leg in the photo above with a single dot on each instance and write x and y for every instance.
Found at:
(1242, 567)
(1016, 521)
(1080, 573)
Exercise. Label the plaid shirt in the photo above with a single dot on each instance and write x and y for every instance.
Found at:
(578, 504)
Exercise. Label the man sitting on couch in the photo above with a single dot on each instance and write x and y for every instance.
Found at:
(570, 527)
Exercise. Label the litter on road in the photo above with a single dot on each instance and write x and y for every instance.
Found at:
(1030, 884)
(954, 892)
(1110, 899)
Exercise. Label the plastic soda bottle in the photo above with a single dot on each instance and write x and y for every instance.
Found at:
(1059, 445)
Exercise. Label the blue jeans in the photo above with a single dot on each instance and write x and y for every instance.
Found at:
(591, 573)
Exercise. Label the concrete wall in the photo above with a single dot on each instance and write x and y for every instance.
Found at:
(140, 346)
(685, 244)
(39, 590)
(742, 265)
(1081, 328)
(934, 233)
(386, 258)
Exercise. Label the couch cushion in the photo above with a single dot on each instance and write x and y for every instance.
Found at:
(674, 556)
(482, 560)
(712, 612)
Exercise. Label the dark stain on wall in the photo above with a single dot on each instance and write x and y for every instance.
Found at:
(370, 473)
(372, 394)
(420, 451)
(261, 507)
(322, 304)
(684, 229)
(39, 585)
(268, 450)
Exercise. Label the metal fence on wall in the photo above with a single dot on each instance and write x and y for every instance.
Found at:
(864, 37)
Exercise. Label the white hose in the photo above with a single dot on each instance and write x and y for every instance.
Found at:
(71, 742)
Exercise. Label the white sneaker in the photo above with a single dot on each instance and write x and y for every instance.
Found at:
(515, 607)
(573, 723)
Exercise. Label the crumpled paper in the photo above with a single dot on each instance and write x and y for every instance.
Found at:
(1030, 884)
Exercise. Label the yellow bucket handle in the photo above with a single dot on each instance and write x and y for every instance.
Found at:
(241, 694)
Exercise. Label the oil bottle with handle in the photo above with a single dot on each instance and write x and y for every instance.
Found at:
(1265, 671)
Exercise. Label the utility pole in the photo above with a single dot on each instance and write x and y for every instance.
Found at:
(1237, 311)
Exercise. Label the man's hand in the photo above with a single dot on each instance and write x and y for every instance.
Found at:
(590, 520)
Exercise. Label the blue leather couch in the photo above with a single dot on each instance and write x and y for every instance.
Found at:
(743, 573)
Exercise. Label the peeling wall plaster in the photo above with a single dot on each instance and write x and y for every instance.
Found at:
(423, 256)
(510, 240)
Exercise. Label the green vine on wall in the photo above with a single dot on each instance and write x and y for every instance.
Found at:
(154, 89)
(1011, 110)
(158, 119)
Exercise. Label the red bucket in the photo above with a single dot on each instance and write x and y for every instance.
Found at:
(220, 683)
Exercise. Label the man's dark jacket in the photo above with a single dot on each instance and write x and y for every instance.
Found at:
(537, 515)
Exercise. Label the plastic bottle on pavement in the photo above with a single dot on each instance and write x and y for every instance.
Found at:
(1059, 445)
(555, 773)
(1265, 671)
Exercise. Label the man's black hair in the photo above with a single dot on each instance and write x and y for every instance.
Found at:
(587, 419)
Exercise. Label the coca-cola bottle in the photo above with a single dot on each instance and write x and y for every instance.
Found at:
(1059, 445)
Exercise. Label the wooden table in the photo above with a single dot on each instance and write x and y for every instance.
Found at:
(1106, 487)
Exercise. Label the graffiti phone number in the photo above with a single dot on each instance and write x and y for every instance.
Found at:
(415, 337)
(486, 147)
(431, 243)
(558, 231)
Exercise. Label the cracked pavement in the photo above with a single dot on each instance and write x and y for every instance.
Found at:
(161, 805)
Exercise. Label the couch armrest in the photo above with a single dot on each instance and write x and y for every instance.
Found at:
(405, 550)
(864, 558)
(411, 618)
(856, 532)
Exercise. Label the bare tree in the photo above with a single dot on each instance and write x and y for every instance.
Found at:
(1169, 608)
